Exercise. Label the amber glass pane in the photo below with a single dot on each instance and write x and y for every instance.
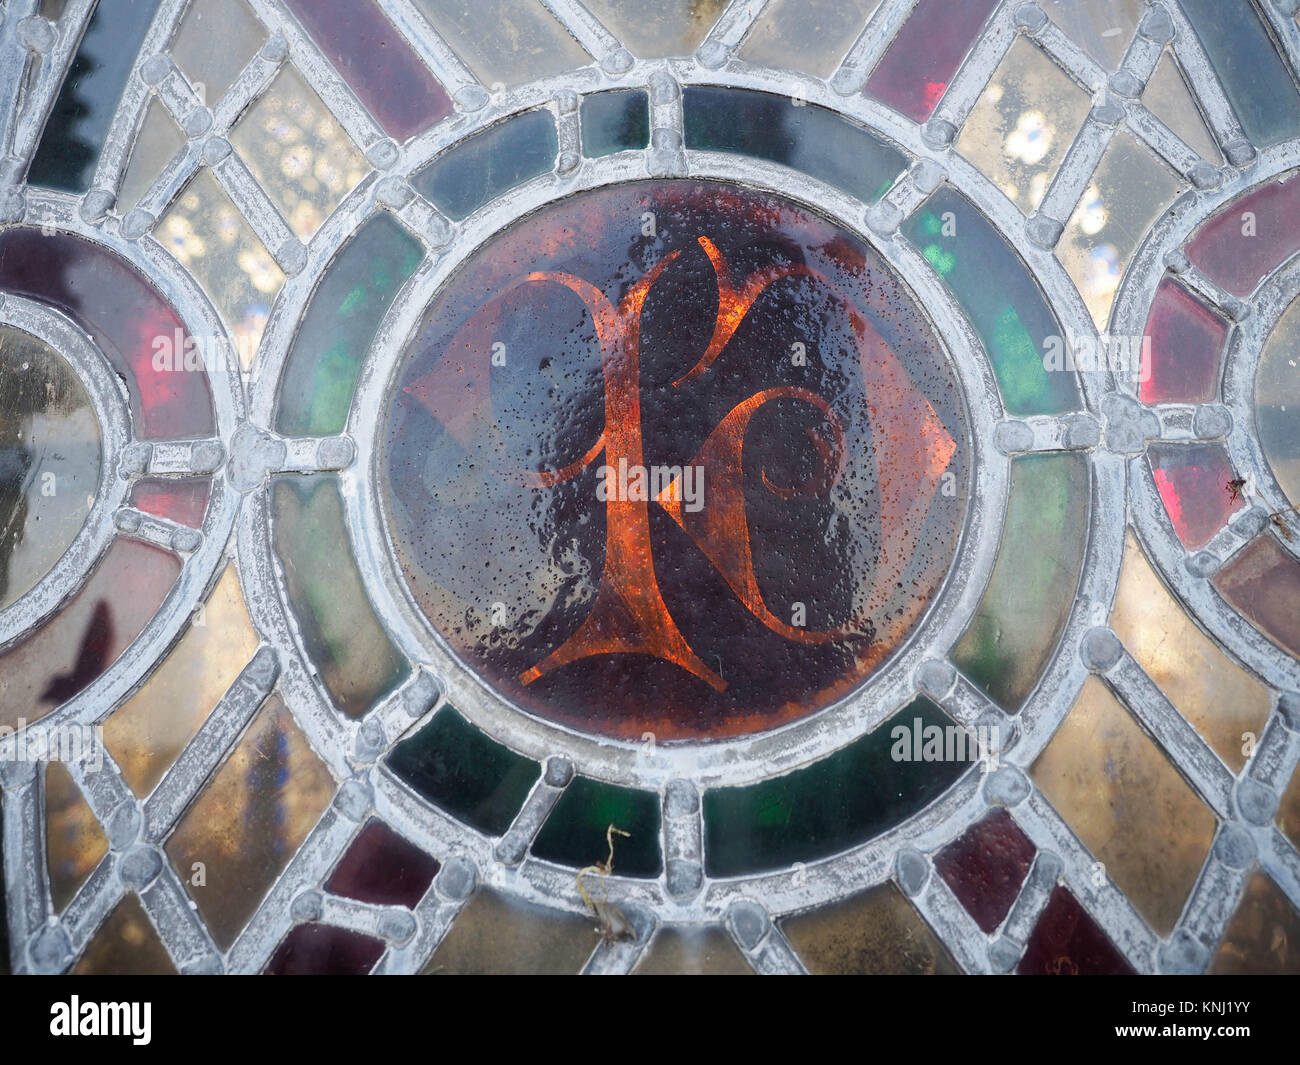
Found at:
(74, 840)
(206, 232)
(690, 952)
(213, 66)
(504, 42)
(250, 819)
(1263, 936)
(1128, 805)
(1288, 810)
(875, 933)
(1019, 131)
(72, 649)
(806, 35)
(1169, 99)
(149, 732)
(49, 460)
(496, 935)
(298, 152)
(1129, 190)
(664, 28)
(126, 945)
(156, 145)
(1102, 27)
(1217, 696)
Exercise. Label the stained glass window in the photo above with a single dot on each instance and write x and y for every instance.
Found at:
(685, 486)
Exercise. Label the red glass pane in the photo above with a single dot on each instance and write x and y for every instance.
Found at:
(986, 866)
(1186, 340)
(916, 69)
(125, 315)
(183, 500)
(1263, 582)
(376, 62)
(319, 950)
(1193, 483)
(383, 868)
(1067, 942)
(1245, 241)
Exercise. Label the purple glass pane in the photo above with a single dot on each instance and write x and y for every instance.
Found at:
(1067, 942)
(319, 950)
(1193, 481)
(125, 315)
(1263, 582)
(383, 868)
(1246, 240)
(925, 55)
(1186, 339)
(986, 866)
(376, 62)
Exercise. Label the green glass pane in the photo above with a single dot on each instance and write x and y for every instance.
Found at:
(575, 833)
(836, 803)
(1011, 316)
(801, 136)
(615, 122)
(482, 167)
(357, 661)
(80, 119)
(1256, 82)
(1033, 585)
(460, 769)
(320, 373)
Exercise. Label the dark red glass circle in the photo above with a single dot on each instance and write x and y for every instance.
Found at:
(674, 457)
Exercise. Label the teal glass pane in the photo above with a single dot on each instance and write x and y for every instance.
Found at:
(339, 325)
(357, 661)
(575, 833)
(1256, 82)
(1024, 609)
(483, 166)
(803, 136)
(836, 803)
(615, 122)
(1000, 298)
(83, 113)
(463, 771)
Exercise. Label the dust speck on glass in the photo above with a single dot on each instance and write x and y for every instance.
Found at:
(676, 486)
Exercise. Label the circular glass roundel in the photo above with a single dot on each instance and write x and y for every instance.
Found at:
(49, 460)
(1277, 402)
(674, 457)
